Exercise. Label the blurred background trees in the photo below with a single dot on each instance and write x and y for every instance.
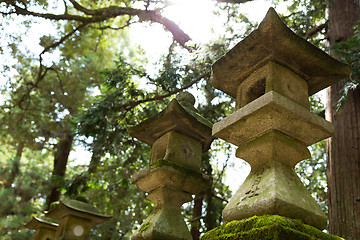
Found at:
(83, 79)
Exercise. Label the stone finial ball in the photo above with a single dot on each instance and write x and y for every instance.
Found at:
(186, 97)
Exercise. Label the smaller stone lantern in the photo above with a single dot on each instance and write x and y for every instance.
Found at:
(76, 218)
(178, 136)
(45, 228)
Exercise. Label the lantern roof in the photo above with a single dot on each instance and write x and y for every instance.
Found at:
(42, 221)
(274, 41)
(180, 116)
(79, 209)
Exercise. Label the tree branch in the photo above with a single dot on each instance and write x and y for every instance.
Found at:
(234, 1)
(131, 105)
(213, 194)
(103, 14)
(315, 30)
(80, 8)
(42, 72)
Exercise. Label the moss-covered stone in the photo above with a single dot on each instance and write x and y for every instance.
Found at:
(272, 227)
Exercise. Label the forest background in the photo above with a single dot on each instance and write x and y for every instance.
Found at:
(83, 79)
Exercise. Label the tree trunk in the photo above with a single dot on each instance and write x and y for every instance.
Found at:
(343, 149)
(63, 149)
(16, 166)
(79, 184)
(210, 220)
(196, 216)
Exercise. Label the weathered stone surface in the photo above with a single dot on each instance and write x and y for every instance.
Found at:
(271, 73)
(271, 227)
(177, 148)
(77, 208)
(178, 136)
(166, 221)
(45, 228)
(274, 189)
(168, 174)
(272, 111)
(75, 219)
(273, 77)
(273, 146)
(274, 41)
(179, 117)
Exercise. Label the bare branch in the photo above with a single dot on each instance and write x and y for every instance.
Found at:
(171, 49)
(131, 105)
(127, 24)
(63, 39)
(80, 8)
(234, 1)
(65, 6)
(315, 30)
(42, 72)
(102, 14)
(218, 197)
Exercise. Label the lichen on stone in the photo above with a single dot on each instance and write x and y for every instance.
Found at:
(144, 227)
(162, 162)
(267, 227)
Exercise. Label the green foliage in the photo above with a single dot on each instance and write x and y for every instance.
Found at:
(105, 121)
(25, 196)
(307, 18)
(349, 51)
(86, 93)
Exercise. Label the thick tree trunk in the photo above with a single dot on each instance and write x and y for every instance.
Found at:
(63, 149)
(343, 149)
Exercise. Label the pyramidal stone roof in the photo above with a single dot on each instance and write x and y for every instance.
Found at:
(180, 116)
(77, 208)
(274, 41)
(39, 221)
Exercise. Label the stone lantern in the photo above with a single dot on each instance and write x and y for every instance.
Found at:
(45, 228)
(178, 136)
(76, 218)
(271, 73)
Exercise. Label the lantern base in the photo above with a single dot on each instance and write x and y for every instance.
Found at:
(274, 188)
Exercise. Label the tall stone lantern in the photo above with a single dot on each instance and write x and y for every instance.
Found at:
(75, 218)
(45, 228)
(271, 73)
(178, 136)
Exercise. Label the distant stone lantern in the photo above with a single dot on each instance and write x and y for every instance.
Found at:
(45, 228)
(75, 218)
(178, 136)
(271, 73)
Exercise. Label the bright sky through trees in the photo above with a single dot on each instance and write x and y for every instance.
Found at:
(196, 18)
(202, 25)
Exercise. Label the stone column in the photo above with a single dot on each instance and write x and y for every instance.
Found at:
(271, 74)
(178, 136)
(45, 228)
(75, 218)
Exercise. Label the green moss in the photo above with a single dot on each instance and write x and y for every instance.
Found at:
(144, 227)
(189, 172)
(267, 227)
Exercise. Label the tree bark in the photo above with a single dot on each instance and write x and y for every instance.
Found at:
(16, 166)
(196, 216)
(210, 220)
(343, 149)
(63, 149)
